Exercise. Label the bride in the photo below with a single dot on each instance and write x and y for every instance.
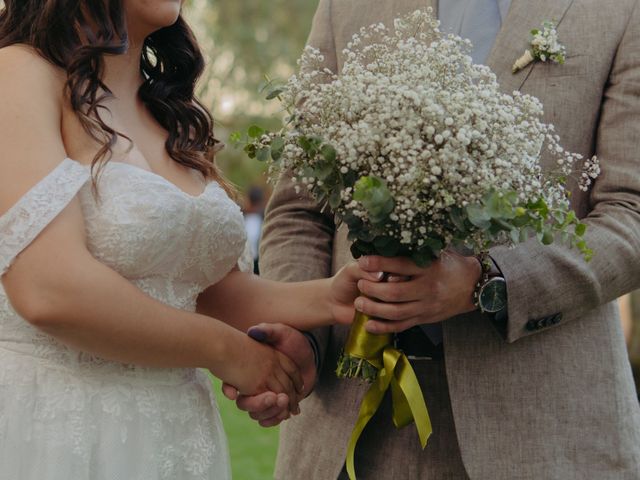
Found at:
(121, 253)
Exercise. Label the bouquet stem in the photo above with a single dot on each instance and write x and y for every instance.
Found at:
(362, 353)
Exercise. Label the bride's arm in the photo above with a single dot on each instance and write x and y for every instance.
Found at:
(59, 287)
(244, 300)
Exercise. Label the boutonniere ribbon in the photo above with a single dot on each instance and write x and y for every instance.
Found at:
(545, 47)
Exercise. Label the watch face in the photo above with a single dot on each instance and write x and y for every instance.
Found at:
(493, 296)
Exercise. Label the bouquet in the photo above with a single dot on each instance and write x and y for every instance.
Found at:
(417, 150)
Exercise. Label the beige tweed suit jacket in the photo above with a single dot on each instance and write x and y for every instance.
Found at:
(550, 394)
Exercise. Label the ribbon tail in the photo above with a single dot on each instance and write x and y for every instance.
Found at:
(368, 408)
(408, 401)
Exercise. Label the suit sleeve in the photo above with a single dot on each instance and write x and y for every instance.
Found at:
(297, 240)
(553, 284)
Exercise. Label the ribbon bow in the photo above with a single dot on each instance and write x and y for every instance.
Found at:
(395, 372)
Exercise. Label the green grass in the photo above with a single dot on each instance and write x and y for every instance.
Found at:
(253, 448)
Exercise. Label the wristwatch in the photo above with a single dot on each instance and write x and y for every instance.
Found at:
(490, 295)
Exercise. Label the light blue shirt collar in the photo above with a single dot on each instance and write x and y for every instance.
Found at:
(504, 5)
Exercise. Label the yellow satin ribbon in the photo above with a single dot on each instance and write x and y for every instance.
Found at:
(395, 373)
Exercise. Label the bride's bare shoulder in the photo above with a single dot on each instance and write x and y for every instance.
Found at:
(22, 68)
(31, 93)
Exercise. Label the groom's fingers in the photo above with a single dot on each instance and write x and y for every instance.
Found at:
(388, 311)
(272, 422)
(270, 413)
(380, 327)
(260, 402)
(294, 373)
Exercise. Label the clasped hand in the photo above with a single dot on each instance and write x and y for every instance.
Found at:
(411, 296)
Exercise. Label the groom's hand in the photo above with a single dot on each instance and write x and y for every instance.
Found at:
(432, 294)
(268, 408)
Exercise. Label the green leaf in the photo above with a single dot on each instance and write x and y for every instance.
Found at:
(255, 131)
(277, 147)
(502, 225)
(478, 216)
(423, 258)
(323, 171)
(458, 218)
(434, 244)
(250, 150)
(387, 246)
(235, 138)
(540, 207)
(581, 229)
(335, 199)
(304, 143)
(310, 145)
(263, 154)
(275, 93)
(374, 195)
(570, 219)
(328, 153)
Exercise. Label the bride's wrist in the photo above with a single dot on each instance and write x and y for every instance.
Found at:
(330, 302)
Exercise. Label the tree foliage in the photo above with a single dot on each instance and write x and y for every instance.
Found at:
(246, 41)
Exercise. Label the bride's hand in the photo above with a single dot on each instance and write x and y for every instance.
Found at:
(344, 290)
(265, 369)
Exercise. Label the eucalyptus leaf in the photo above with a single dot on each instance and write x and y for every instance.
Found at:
(263, 154)
(478, 216)
(277, 147)
(255, 131)
(328, 153)
(275, 93)
(335, 199)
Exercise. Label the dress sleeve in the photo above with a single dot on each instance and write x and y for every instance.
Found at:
(245, 262)
(24, 221)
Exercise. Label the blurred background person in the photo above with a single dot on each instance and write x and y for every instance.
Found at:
(253, 218)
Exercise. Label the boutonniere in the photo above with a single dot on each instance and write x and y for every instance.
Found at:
(545, 47)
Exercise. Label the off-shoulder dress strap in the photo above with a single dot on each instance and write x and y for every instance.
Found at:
(26, 219)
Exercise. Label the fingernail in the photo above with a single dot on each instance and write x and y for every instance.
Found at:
(379, 275)
(257, 334)
(359, 304)
(268, 402)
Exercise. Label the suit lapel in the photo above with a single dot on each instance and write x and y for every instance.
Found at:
(514, 37)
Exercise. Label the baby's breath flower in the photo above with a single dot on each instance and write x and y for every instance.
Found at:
(410, 109)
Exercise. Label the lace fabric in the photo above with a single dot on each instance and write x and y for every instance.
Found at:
(67, 414)
(28, 217)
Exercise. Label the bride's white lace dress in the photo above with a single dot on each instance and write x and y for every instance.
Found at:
(67, 415)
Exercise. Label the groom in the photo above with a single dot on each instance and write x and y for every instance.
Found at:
(542, 390)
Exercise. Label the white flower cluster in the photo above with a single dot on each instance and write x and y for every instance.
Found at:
(411, 109)
(546, 45)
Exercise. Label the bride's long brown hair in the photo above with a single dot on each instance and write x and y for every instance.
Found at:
(76, 34)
